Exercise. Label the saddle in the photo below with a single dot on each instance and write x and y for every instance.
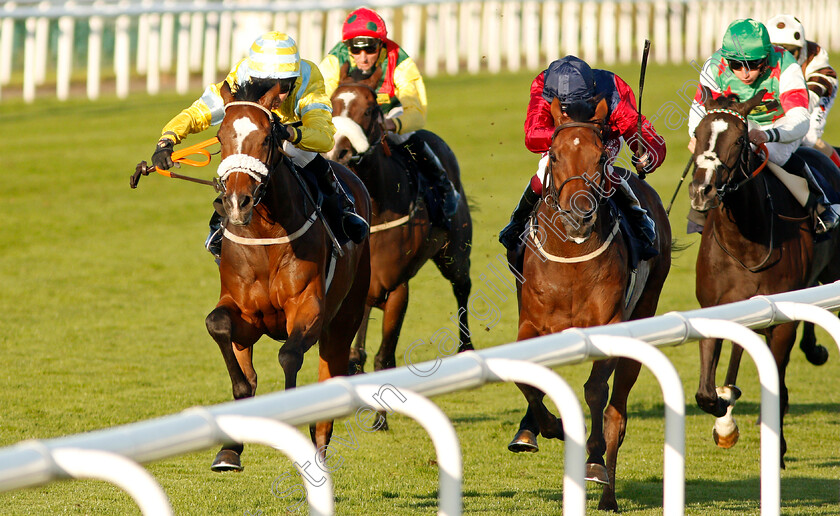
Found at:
(425, 189)
(329, 205)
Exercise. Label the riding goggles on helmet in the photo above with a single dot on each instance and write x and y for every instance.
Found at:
(361, 44)
(753, 64)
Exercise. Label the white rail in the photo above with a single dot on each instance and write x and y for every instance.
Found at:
(30, 463)
(450, 37)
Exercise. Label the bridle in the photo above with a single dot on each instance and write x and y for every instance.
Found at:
(374, 138)
(553, 191)
(260, 171)
(742, 164)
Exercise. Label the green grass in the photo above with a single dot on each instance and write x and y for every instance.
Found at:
(105, 290)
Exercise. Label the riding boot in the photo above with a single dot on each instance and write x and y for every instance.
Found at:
(825, 214)
(355, 227)
(643, 225)
(511, 235)
(213, 243)
(432, 169)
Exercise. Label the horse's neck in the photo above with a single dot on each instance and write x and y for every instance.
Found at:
(556, 242)
(746, 213)
(284, 203)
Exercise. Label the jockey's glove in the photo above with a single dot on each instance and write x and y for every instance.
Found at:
(644, 163)
(286, 132)
(162, 157)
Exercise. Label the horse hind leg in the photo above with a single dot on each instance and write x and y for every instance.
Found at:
(238, 359)
(456, 269)
(596, 392)
(817, 354)
(393, 311)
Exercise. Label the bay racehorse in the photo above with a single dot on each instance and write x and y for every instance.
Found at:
(576, 273)
(402, 235)
(757, 240)
(280, 275)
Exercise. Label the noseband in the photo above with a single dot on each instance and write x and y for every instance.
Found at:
(553, 191)
(260, 171)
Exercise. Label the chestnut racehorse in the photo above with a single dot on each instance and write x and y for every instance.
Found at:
(757, 240)
(280, 275)
(576, 274)
(402, 236)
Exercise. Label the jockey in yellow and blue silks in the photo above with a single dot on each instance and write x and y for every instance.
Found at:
(401, 93)
(304, 109)
(745, 64)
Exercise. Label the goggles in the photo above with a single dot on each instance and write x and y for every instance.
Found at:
(364, 44)
(754, 64)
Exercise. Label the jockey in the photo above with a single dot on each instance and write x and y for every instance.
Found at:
(304, 108)
(572, 80)
(401, 94)
(787, 32)
(746, 63)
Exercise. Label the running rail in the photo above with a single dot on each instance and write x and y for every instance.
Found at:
(30, 463)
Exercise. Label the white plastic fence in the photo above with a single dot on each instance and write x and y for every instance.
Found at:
(117, 42)
(113, 454)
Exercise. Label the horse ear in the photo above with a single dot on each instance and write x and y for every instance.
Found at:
(271, 100)
(705, 94)
(224, 91)
(745, 107)
(343, 76)
(601, 110)
(557, 112)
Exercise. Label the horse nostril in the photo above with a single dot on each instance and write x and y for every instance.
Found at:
(342, 154)
(708, 190)
(246, 200)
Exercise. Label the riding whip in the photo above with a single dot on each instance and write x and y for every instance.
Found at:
(685, 173)
(180, 156)
(639, 144)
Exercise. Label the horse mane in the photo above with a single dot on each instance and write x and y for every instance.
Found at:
(253, 89)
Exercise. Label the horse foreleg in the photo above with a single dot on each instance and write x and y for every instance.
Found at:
(817, 354)
(596, 392)
(224, 327)
(393, 316)
(358, 354)
(615, 425)
(706, 396)
(537, 420)
(781, 341)
(734, 365)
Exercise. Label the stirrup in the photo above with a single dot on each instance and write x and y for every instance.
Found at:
(827, 220)
(451, 198)
(213, 243)
(511, 235)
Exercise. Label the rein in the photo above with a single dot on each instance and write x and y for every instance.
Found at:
(552, 190)
(180, 156)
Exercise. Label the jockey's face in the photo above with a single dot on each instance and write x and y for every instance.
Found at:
(365, 56)
(747, 71)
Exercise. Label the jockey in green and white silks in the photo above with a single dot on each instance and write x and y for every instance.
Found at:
(745, 64)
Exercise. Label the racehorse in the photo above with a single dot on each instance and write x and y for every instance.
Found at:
(757, 240)
(576, 272)
(402, 236)
(280, 275)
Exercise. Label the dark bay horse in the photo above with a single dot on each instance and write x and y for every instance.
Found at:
(576, 274)
(757, 240)
(279, 273)
(402, 237)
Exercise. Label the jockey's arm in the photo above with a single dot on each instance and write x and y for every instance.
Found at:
(793, 95)
(206, 111)
(411, 92)
(625, 118)
(539, 124)
(316, 132)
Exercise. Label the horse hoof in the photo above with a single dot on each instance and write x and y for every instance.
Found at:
(818, 355)
(726, 441)
(356, 367)
(465, 346)
(524, 441)
(227, 460)
(597, 473)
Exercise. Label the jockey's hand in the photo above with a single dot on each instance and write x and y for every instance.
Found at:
(691, 144)
(644, 163)
(162, 158)
(757, 136)
(283, 131)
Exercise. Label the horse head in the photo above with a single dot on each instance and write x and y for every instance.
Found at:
(721, 150)
(577, 181)
(358, 121)
(249, 147)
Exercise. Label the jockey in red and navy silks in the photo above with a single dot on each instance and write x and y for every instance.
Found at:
(787, 31)
(745, 64)
(571, 80)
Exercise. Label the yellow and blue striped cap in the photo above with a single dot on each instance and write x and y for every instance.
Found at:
(273, 55)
